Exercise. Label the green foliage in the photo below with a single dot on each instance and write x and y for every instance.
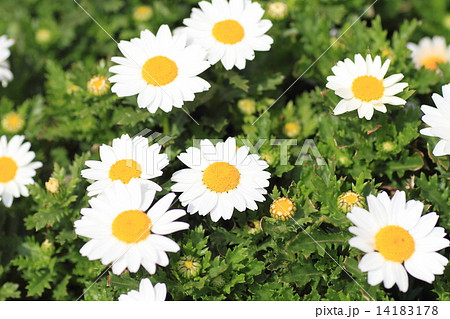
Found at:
(252, 256)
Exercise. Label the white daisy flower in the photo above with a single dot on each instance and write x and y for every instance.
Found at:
(123, 233)
(230, 31)
(146, 292)
(16, 168)
(220, 178)
(125, 160)
(397, 240)
(5, 73)
(161, 69)
(439, 120)
(429, 52)
(362, 86)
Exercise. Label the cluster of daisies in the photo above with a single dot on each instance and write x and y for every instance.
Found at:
(127, 228)
(395, 237)
(163, 68)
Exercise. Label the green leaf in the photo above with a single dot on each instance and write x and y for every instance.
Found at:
(9, 290)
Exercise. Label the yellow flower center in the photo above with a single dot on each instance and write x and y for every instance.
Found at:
(394, 243)
(125, 170)
(221, 177)
(8, 169)
(98, 85)
(367, 88)
(159, 71)
(430, 62)
(12, 122)
(131, 226)
(350, 198)
(282, 209)
(228, 31)
(188, 264)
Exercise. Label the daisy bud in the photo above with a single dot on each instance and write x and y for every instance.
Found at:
(218, 282)
(52, 185)
(388, 146)
(72, 88)
(12, 122)
(247, 106)
(143, 13)
(43, 36)
(269, 158)
(253, 226)
(188, 266)
(282, 209)
(98, 85)
(277, 10)
(350, 199)
(291, 129)
(46, 244)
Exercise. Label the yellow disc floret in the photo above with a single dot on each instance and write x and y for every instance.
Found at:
(367, 88)
(8, 169)
(131, 226)
(125, 170)
(159, 71)
(221, 177)
(228, 31)
(394, 243)
(282, 208)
